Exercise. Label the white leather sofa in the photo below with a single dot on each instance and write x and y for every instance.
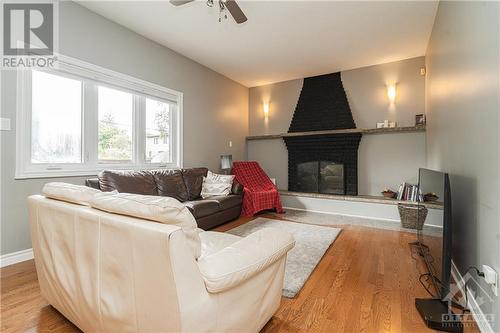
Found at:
(130, 263)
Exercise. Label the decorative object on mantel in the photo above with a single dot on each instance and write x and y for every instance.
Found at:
(420, 120)
(387, 193)
(429, 197)
(387, 124)
(412, 216)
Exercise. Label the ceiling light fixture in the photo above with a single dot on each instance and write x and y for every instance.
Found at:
(224, 6)
(222, 12)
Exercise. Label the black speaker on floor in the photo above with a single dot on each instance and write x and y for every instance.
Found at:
(438, 316)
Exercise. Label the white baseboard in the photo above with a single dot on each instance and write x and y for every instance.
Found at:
(15, 257)
(480, 318)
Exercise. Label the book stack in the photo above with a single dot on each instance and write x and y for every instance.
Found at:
(409, 192)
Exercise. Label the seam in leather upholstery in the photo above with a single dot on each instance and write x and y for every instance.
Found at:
(172, 267)
(99, 272)
(134, 292)
(151, 204)
(274, 257)
(254, 264)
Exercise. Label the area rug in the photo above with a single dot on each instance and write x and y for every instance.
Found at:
(311, 243)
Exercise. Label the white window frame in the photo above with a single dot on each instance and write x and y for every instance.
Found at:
(74, 68)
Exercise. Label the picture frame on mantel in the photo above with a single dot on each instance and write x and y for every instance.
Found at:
(420, 120)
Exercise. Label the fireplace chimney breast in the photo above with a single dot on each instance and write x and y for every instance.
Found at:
(323, 105)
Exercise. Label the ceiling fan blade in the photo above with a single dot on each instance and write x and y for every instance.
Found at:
(180, 2)
(235, 11)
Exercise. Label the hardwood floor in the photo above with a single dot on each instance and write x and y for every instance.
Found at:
(366, 282)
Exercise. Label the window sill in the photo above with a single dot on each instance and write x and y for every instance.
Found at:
(88, 172)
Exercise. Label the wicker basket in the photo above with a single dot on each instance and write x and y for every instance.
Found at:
(412, 216)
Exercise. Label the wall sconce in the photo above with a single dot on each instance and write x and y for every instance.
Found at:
(391, 93)
(265, 108)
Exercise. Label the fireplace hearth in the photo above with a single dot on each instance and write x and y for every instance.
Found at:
(323, 163)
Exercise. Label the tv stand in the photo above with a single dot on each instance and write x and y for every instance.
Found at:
(437, 315)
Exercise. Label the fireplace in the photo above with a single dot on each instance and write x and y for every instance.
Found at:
(321, 176)
(337, 149)
(323, 163)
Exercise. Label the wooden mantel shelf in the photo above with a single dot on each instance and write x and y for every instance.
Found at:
(407, 129)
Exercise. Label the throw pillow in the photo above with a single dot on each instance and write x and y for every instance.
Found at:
(216, 185)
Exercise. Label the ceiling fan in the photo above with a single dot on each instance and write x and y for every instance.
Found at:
(231, 5)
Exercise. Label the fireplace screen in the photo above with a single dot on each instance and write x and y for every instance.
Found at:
(320, 177)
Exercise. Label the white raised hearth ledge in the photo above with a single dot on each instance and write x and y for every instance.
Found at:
(407, 129)
(364, 207)
(361, 198)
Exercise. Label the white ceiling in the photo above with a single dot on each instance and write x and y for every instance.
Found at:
(282, 40)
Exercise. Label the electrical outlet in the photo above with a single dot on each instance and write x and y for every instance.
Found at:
(4, 124)
(491, 278)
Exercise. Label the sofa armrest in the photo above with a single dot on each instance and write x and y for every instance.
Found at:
(243, 259)
(237, 188)
(93, 182)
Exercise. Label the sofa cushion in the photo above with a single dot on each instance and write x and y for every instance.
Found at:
(127, 181)
(170, 183)
(228, 201)
(200, 208)
(193, 178)
(237, 188)
(216, 185)
(92, 182)
(247, 257)
(155, 208)
(212, 241)
(78, 194)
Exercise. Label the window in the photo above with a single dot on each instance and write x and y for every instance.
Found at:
(115, 125)
(80, 119)
(157, 131)
(56, 119)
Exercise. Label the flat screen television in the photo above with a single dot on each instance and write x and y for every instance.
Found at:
(434, 246)
(435, 240)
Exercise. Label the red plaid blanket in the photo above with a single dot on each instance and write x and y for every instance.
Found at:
(259, 192)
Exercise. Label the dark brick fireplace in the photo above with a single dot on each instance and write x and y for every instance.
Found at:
(323, 163)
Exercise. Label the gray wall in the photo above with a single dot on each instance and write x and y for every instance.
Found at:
(463, 109)
(385, 160)
(215, 107)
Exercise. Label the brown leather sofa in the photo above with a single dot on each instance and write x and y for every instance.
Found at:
(182, 184)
